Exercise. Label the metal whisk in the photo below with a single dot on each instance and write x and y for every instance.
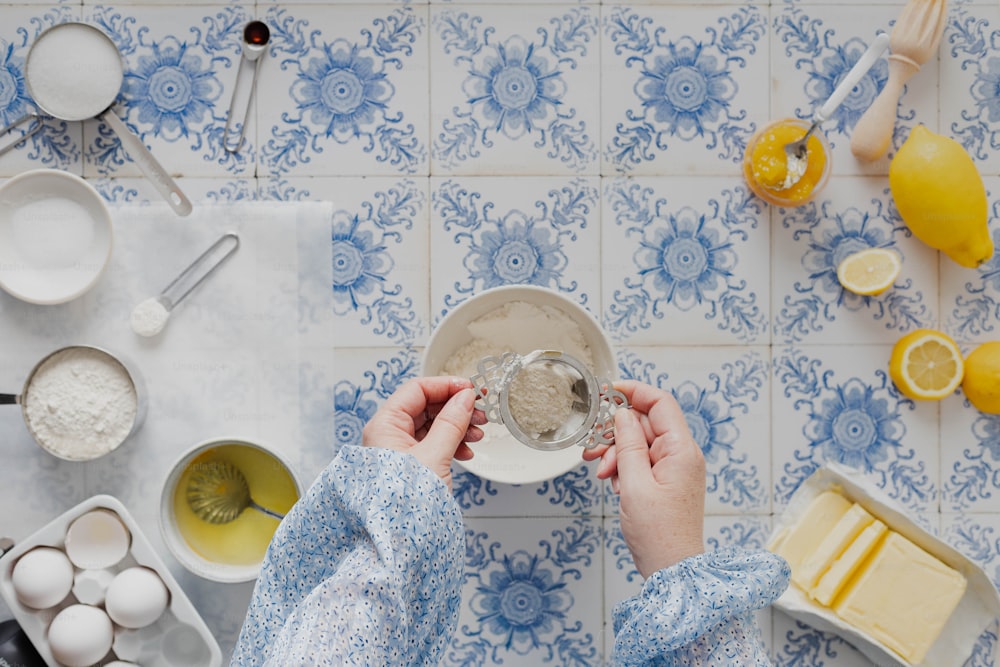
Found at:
(218, 493)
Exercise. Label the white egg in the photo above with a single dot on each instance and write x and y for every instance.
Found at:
(42, 577)
(136, 597)
(80, 635)
(96, 540)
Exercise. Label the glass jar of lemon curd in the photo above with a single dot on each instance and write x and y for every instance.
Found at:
(765, 163)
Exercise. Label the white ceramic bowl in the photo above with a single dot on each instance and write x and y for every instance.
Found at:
(55, 236)
(174, 539)
(503, 458)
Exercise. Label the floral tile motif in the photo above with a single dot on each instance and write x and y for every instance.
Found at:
(682, 89)
(575, 493)
(515, 93)
(970, 459)
(532, 593)
(724, 394)
(813, 47)
(57, 144)
(678, 267)
(176, 91)
(970, 101)
(509, 232)
(850, 215)
(970, 298)
(837, 403)
(379, 288)
(356, 101)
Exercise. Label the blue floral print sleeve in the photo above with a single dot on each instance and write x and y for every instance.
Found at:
(699, 612)
(366, 569)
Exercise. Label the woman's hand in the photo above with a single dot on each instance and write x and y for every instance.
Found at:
(658, 471)
(431, 418)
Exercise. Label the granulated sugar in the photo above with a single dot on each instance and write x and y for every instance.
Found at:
(80, 403)
(540, 400)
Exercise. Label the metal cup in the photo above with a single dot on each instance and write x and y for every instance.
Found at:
(134, 377)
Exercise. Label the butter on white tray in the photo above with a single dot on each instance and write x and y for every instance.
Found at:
(178, 638)
(978, 608)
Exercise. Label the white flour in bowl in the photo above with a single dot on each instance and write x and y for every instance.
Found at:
(539, 400)
(80, 403)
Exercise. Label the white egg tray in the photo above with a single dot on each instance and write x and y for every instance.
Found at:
(179, 638)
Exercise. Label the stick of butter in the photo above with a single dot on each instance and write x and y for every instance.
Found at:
(841, 570)
(832, 546)
(902, 596)
(797, 542)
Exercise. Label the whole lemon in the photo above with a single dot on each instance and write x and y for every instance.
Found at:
(981, 383)
(941, 197)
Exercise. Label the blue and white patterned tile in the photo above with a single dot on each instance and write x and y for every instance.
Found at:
(682, 87)
(685, 261)
(141, 191)
(355, 96)
(725, 395)
(378, 237)
(970, 457)
(970, 298)
(970, 70)
(180, 69)
(976, 535)
(364, 379)
(58, 143)
(515, 90)
(574, 493)
(532, 593)
(813, 47)
(622, 580)
(837, 403)
(544, 232)
(810, 306)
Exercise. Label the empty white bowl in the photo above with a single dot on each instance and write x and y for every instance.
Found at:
(55, 236)
(503, 458)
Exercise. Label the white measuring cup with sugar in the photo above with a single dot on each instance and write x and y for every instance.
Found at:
(73, 72)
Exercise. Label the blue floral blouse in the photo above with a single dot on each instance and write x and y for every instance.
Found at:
(367, 569)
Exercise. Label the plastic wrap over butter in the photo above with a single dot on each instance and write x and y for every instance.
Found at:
(978, 609)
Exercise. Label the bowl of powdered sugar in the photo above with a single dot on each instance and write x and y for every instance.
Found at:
(520, 319)
(80, 402)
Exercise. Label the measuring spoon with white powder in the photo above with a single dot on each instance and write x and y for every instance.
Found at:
(151, 315)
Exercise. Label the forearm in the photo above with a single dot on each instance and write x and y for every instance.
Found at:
(700, 611)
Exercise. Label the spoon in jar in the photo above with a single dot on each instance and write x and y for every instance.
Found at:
(796, 152)
(151, 315)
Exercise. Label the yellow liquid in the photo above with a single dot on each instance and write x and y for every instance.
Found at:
(244, 540)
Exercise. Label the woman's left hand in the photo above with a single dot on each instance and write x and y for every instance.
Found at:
(431, 418)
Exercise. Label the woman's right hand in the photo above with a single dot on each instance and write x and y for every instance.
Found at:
(658, 471)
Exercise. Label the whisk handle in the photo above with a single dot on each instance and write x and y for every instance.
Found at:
(872, 135)
(266, 511)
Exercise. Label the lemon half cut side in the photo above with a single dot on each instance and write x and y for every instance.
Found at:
(869, 272)
(926, 365)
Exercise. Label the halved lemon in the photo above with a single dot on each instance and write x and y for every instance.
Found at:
(869, 272)
(926, 365)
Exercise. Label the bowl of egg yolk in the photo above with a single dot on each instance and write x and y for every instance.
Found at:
(226, 552)
(765, 163)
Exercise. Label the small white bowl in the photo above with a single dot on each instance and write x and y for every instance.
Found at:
(55, 236)
(503, 458)
(225, 572)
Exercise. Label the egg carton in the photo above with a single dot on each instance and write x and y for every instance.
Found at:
(179, 638)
